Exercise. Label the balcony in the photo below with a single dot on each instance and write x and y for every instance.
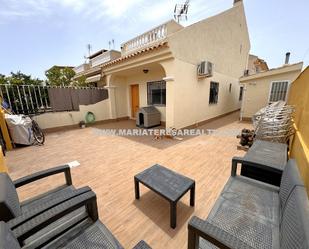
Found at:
(151, 37)
(81, 68)
(100, 59)
(104, 57)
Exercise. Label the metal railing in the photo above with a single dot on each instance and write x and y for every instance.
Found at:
(25, 99)
(29, 99)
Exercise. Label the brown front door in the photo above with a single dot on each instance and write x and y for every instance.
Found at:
(134, 100)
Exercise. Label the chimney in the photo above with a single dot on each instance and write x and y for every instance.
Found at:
(237, 1)
(287, 58)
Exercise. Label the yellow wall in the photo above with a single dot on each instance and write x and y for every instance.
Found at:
(256, 93)
(299, 96)
(3, 167)
(4, 130)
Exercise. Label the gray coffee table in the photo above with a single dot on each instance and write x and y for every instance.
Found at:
(168, 184)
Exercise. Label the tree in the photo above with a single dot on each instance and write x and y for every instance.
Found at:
(16, 97)
(81, 81)
(19, 78)
(3, 79)
(60, 76)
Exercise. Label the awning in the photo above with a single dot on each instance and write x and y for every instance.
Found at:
(94, 78)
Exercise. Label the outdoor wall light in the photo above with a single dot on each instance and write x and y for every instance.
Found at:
(145, 70)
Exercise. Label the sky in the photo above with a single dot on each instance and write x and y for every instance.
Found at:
(37, 34)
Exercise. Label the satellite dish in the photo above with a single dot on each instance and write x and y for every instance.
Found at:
(181, 11)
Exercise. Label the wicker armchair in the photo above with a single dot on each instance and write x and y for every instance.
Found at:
(253, 214)
(72, 224)
(16, 212)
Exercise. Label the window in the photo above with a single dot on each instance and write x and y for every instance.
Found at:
(214, 92)
(241, 93)
(230, 87)
(278, 91)
(156, 93)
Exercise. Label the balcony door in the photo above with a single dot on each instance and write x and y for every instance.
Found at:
(134, 100)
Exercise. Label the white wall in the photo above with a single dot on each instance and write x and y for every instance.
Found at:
(121, 97)
(222, 39)
(256, 91)
(191, 96)
(58, 119)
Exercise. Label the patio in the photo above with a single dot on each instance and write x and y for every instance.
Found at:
(108, 165)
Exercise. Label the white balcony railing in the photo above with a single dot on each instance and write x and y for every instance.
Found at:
(81, 68)
(100, 59)
(155, 35)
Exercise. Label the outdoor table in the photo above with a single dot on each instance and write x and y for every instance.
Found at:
(168, 184)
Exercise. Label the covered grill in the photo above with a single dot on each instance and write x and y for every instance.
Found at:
(148, 117)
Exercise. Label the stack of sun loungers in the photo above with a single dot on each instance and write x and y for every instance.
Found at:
(275, 123)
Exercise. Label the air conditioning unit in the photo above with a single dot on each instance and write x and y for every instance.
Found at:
(204, 69)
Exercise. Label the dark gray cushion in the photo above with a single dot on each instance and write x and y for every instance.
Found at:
(258, 198)
(9, 202)
(7, 239)
(294, 230)
(290, 179)
(97, 236)
(43, 199)
(255, 231)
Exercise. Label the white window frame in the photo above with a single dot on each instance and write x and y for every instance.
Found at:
(277, 81)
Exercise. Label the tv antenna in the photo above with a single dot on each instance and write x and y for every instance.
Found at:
(89, 48)
(111, 44)
(181, 11)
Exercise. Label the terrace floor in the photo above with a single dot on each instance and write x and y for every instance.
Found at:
(108, 165)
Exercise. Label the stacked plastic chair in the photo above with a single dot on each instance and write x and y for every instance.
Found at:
(274, 123)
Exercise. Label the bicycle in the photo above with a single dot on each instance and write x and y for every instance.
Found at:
(37, 132)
